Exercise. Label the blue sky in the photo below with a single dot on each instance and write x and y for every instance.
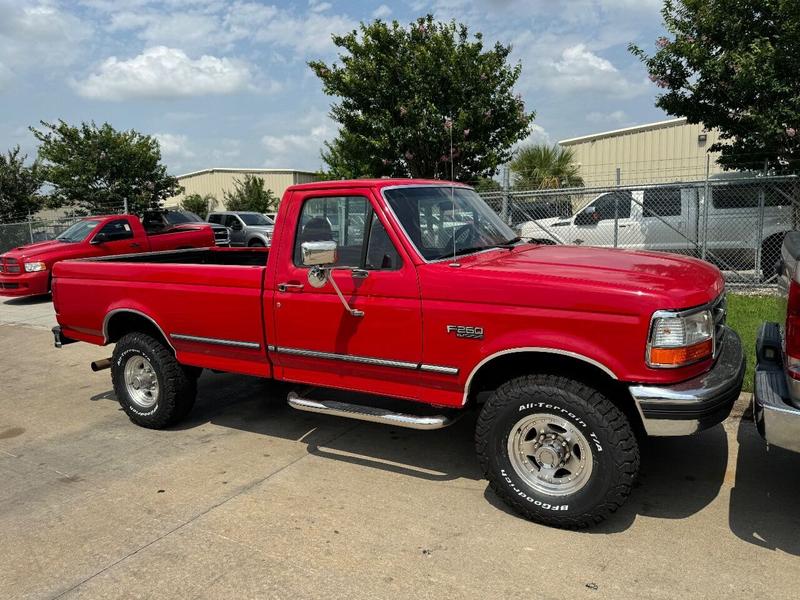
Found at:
(225, 84)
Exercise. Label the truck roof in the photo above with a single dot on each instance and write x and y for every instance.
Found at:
(369, 183)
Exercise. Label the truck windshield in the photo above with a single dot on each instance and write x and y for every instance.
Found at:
(442, 221)
(78, 232)
(256, 219)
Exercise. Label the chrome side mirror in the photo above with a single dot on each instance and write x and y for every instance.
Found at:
(317, 254)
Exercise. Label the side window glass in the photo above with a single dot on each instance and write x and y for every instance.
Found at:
(605, 207)
(231, 220)
(662, 202)
(117, 230)
(341, 219)
(381, 253)
(215, 219)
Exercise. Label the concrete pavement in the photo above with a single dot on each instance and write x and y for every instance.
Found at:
(252, 499)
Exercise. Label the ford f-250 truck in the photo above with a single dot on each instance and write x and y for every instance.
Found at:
(422, 304)
(27, 270)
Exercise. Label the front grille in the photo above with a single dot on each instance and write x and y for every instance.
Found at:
(719, 310)
(11, 266)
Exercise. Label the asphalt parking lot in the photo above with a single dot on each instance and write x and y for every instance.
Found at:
(252, 499)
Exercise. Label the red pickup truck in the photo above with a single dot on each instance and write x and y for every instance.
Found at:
(416, 299)
(27, 270)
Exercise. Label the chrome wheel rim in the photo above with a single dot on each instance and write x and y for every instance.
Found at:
(550, 454)
(141, 382)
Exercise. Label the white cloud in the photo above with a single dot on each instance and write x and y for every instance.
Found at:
(317, 6)
(162, 72)
(537, 135)
(38, 35)
(382, 12)
(174, 145)
(578, 69)
(297, 150)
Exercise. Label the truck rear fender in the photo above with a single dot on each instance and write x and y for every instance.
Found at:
(121, 321)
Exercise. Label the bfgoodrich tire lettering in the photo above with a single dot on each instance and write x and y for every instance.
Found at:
(175, 388)
(559, 411)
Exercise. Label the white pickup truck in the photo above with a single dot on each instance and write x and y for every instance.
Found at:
(672, 218)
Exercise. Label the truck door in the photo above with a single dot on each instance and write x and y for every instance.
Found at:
(317, 341)
(116, 237)
(669, 219)
(594, 225)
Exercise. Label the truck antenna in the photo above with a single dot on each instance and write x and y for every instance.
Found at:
(449, 124)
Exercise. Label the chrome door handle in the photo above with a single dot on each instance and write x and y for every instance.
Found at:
(360, 273)
(285, 287)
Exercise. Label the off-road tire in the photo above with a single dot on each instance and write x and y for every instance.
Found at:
(615, 452)
(177, 386)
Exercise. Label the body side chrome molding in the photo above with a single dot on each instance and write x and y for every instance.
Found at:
(135, 312)
(216, 341)
(533, 349)
(365, 360)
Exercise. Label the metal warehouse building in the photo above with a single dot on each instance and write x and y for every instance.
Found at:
(216, 181)
(672, 150)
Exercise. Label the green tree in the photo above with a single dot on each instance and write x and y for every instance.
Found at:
(249, 194)
(733, 65)
(487, 184)
(19, 187)
(98, 168)
(403, 93)
(545, 167)
(199, 204)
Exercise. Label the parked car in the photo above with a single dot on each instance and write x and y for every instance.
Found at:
(776, 401)
(670, 218)
(566, 351)
(27, 270)
(247, 228)
(160, 220)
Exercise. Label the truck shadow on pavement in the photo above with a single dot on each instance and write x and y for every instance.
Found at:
(29, 300)
(764, 500)
(678, 478)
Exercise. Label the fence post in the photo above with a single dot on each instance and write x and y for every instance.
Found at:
(506, 186)
(125, 206)
(706, 200)
(616, 210)
(759, 240)
(30, 226)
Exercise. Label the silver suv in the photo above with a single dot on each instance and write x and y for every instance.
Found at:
(247, 228)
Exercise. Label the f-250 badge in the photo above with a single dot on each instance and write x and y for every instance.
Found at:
(464, 331)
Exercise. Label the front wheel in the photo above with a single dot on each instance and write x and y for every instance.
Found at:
(257, 244)
(556, 450)
(153, 388)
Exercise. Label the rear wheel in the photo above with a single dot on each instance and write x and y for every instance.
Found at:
(556, 450)
(154, 390)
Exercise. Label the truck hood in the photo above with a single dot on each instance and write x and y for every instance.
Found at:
(671, 280)
(43, 250)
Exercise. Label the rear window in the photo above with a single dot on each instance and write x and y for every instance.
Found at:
(215, 219)
(746, 195)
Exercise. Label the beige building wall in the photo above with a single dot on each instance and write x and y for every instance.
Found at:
(667, 151)
(216, 181)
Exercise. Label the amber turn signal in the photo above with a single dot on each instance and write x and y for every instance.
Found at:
(676, 357)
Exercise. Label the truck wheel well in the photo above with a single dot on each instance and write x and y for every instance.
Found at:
(509, 366)
(125, 322)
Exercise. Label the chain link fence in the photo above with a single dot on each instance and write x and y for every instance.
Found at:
(735, 221)
(44, 226)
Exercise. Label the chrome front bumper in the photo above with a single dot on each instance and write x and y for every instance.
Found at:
(775, 406)
(700, 402)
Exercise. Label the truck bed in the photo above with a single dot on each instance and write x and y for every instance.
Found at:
(209, 304)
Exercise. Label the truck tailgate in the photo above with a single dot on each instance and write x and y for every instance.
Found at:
(212, 315)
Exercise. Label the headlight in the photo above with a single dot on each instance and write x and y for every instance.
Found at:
(680, 339)
(32, 267)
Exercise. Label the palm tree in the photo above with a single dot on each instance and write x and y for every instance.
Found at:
(545, 167)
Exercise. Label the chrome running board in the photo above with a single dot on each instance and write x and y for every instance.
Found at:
(372, 414)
